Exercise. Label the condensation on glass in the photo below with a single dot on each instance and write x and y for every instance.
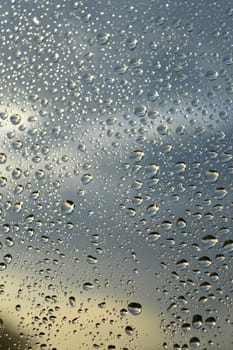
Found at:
(116, 174)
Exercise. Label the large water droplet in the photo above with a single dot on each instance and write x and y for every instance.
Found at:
(152, 210)
(197, 321)
(194, 342)
(212, 175)
(129, 330)
(3, 158)
(86, 179)
(135, 308)
(68, 207)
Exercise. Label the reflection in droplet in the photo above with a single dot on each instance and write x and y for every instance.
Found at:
(72, 301)
(210, 322)
(197, 321)
(129, 330)
(152, 210)
(135, 308)
(88, 286)
(194, 342)
(212, 175)
(86, 179)
(68, 207)
(3, 158)
(209, 241)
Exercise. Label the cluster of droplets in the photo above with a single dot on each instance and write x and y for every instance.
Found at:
(115, 172)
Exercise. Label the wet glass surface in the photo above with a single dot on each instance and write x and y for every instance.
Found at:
(116, 174)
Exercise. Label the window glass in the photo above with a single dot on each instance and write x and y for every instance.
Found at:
(116, 174)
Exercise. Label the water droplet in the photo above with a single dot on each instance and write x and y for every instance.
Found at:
(92, 259)
(210, 322)
(212, 75)
(180, 168)
(137, 155)
(182, 264)
(129, 330)
(194, 342)
(103, 38)
(121, 69)
(86, 179)
(228, 246)
(152, 210)
(40, 174)
(153, 113)
(220, 193)
(135, 62)
(137, 185)
(123, 312)
(212, 175)
(68, 207)
(16, 173)
(8, 258)
(72, 301)
(152, 170)
(204, 261)
(186, 327)
(3, 266)
(18, 308)
(9, 242)
(137, 201)
(88, 286)
(3, 158)
(214, 277)
(209, 241)
(15, 119)
(131, 212)
(131, 43)
(111, 121)
(162, 129)
(3, 181)
(205, 286)
(153, 236)
(140, 111)
(135, 308)
(181, 223)
(197, 321)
